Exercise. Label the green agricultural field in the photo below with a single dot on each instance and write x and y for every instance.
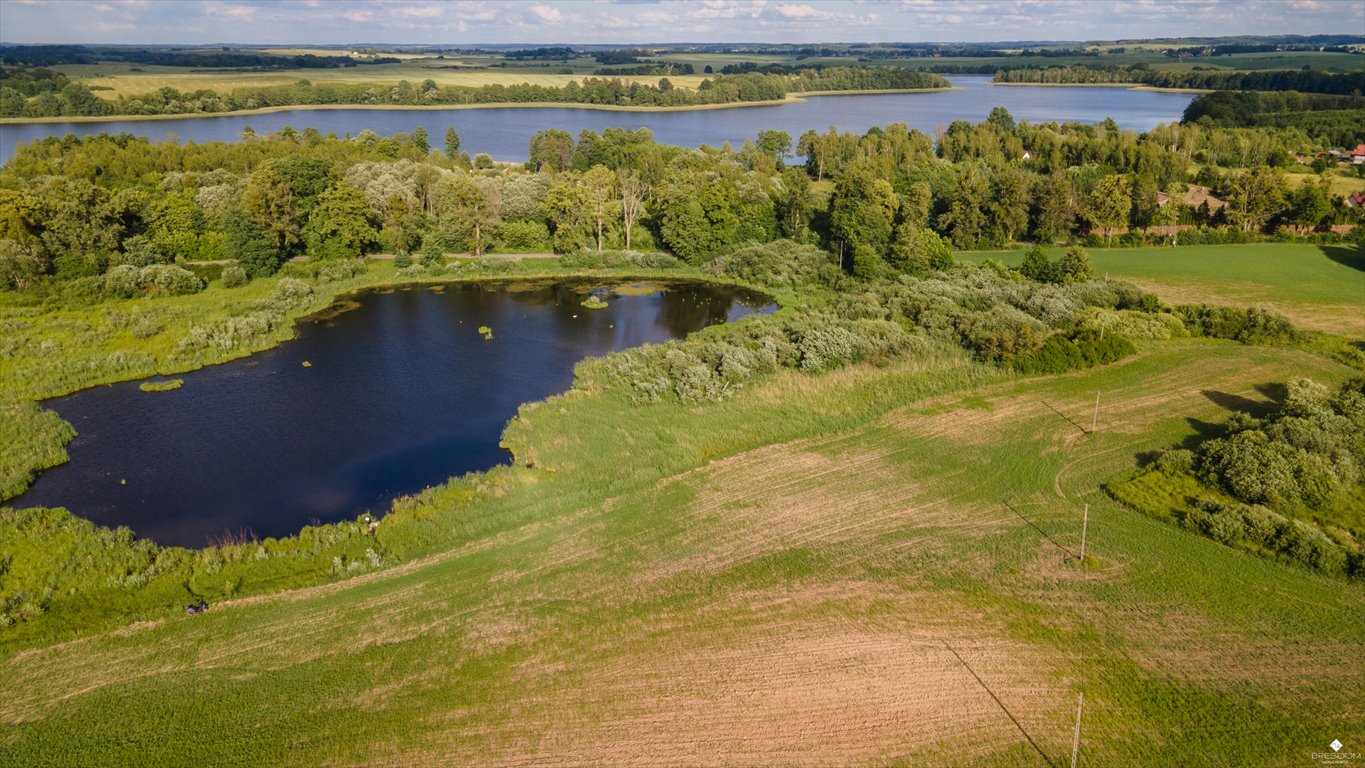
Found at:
(1319, 287)
(868, 566)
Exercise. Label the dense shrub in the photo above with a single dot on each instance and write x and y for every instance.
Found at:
(1259, 528)
(524, 236)
(1061, 353)
(1253, 325)
(1073, 267)
(337, 270)
(1308, 455)
(127, 281)
(587, 259)
(710, 368)
(780, 264)
(234, 276)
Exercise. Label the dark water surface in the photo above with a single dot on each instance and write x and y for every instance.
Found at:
(402, 393)
(505, 132)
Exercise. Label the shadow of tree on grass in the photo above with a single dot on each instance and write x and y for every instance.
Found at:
(1345, 255)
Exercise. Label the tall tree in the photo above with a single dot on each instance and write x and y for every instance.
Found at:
(775, 144)
(342, 224)
(1055, 203)
(633, 195)
(793, 201)
(1109, 204)
(1009, 204)
(862, 214)
(1254, 197)
(452, 144)
(599, 189)
(552, 151)
(965, 219)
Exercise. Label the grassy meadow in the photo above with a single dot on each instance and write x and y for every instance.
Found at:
(874, 565)
(866, 566)
(1319, 287)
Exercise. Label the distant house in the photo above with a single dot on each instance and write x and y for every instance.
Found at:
(1357, 155)
(1195, 196)
(1355, 200)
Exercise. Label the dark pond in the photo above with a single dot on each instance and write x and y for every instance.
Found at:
(505, 132)
(401, 393)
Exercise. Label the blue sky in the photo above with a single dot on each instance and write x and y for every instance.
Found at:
(468, 22)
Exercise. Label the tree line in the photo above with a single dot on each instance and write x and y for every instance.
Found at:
(1335, 120)
(62, 97)
(888, 201)
(49, 55)
(1305, 80)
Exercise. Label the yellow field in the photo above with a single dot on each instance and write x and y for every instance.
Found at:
(132, 80)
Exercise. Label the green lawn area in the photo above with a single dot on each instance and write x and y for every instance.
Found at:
(1319, 287)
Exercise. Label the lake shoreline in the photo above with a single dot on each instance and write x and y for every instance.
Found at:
(792, 98)
(1125, 86)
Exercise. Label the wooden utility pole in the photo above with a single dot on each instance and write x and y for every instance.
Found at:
(1095, 420)
(1076, 739)
(1085, 523)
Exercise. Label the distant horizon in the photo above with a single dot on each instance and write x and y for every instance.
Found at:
(1002, 44)
(457, 23)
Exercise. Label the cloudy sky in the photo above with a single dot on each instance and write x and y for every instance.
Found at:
(467, 22)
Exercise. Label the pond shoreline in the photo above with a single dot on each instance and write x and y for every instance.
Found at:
(366, 457)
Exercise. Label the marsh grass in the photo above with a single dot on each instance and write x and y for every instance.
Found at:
(165, 385)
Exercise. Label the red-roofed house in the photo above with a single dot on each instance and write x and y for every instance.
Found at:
(1355, 200)
(1358, 155)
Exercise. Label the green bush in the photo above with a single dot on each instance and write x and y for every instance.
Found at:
(127, 281)
(1254, 325)
(524, 235)
(588, 259)
(234, 276)
(780, 264)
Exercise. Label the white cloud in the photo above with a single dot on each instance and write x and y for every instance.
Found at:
(802, 12)
(643, 21)
(416, 12)
(546, 13)
(236, 12)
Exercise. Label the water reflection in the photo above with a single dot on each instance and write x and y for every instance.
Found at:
(401, 392)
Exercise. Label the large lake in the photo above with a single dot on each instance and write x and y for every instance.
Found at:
(505, 132)
(401, 392)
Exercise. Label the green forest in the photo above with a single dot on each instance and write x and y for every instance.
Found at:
(73, 209)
